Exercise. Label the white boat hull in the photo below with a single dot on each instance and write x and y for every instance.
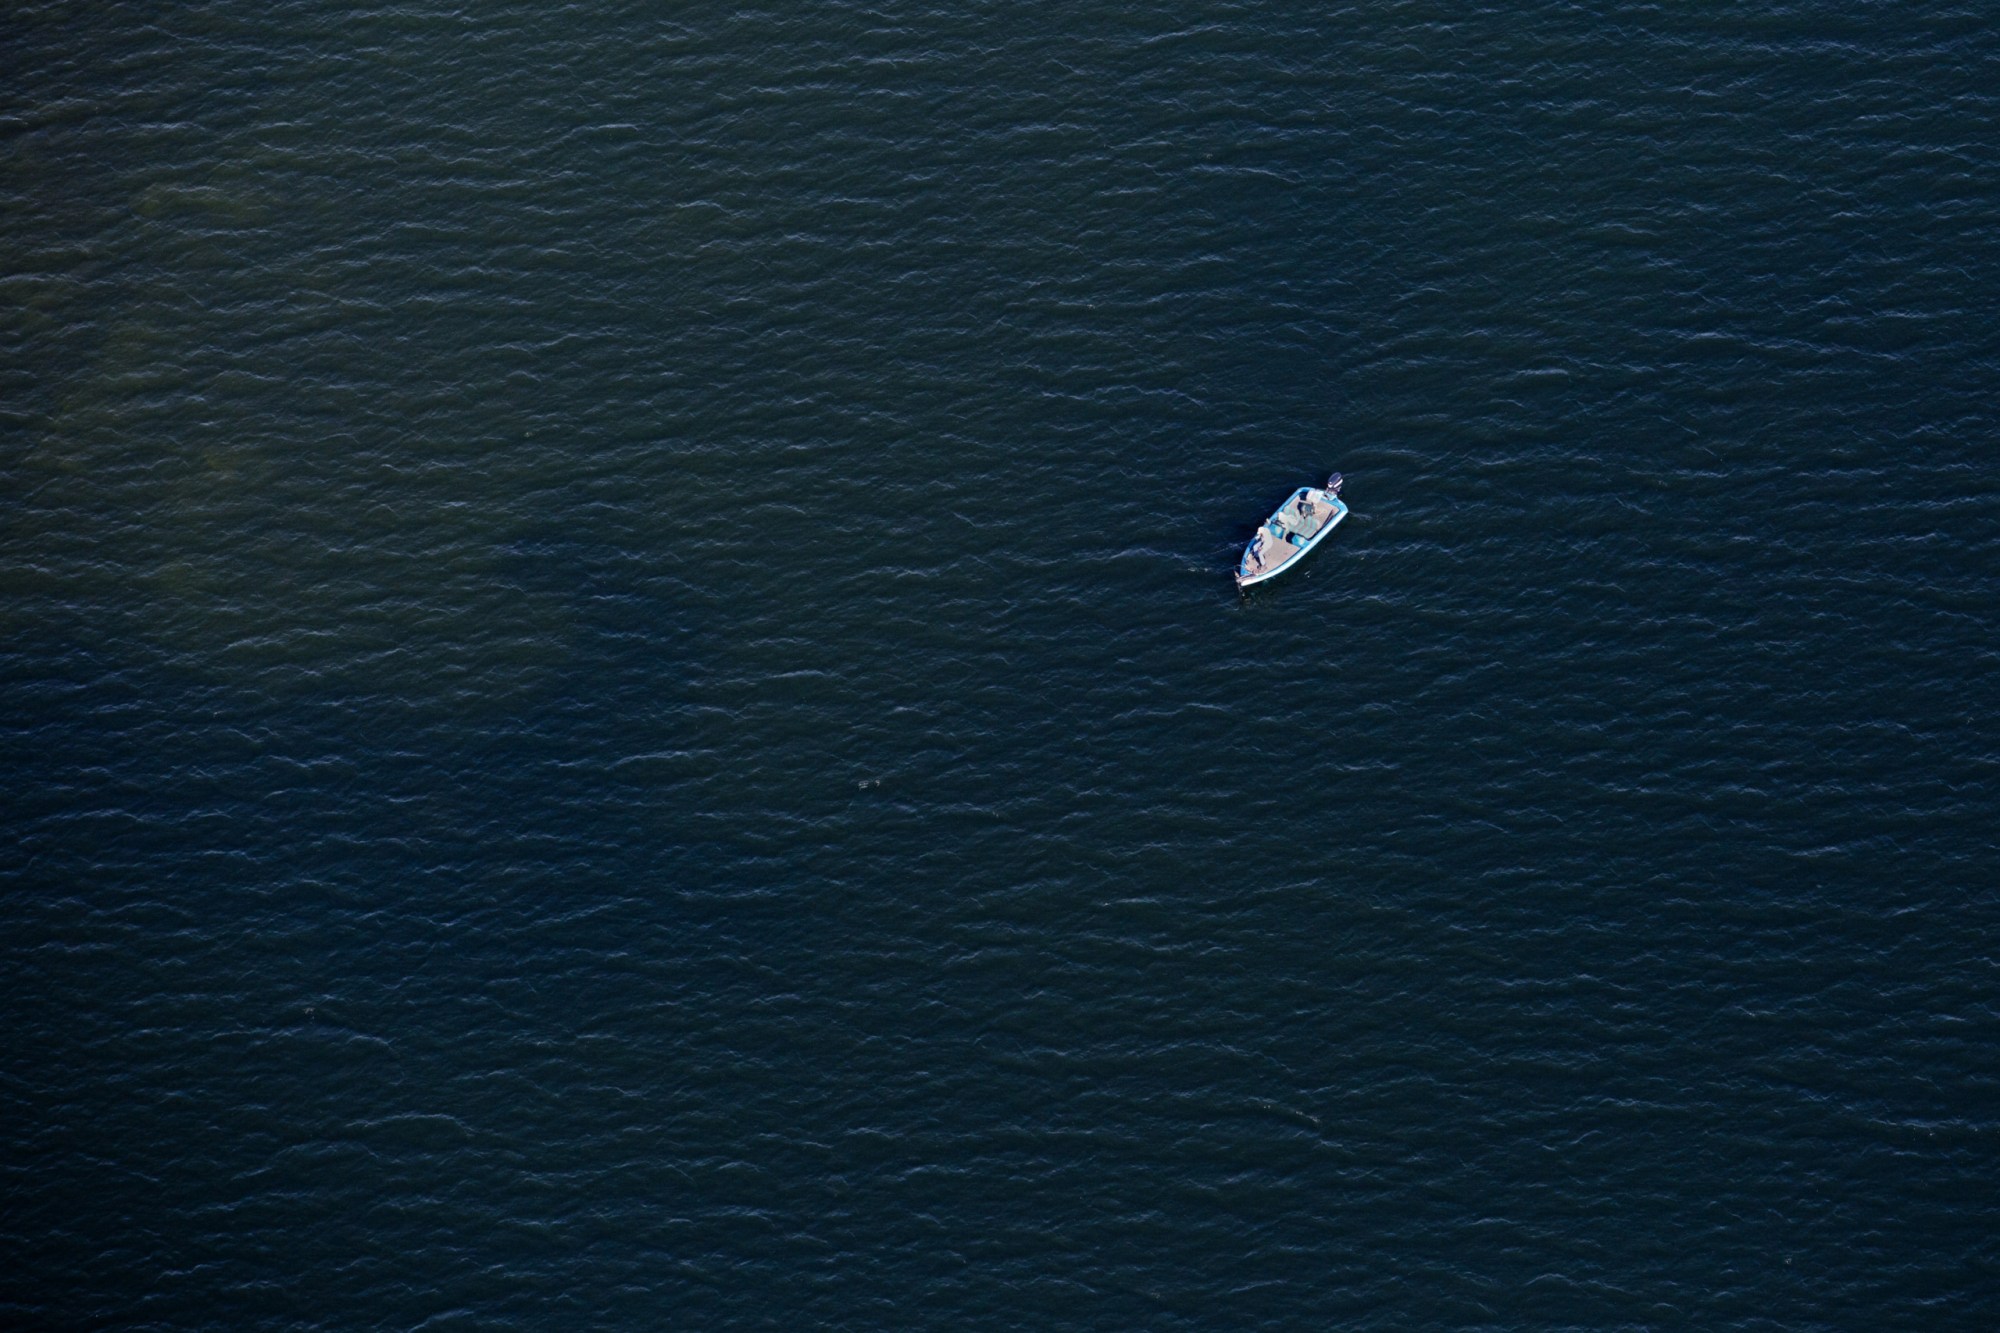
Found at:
(1251, 572)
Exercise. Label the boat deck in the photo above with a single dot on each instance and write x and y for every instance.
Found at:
(1287, 533)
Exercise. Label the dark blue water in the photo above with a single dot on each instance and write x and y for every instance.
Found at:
(624, 707)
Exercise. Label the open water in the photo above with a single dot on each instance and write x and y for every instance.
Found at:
(623, 707)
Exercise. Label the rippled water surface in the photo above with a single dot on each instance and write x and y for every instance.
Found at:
(624, 707)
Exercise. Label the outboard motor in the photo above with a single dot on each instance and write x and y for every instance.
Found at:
(1333, 483)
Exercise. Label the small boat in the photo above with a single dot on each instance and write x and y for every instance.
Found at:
(1287, 535)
